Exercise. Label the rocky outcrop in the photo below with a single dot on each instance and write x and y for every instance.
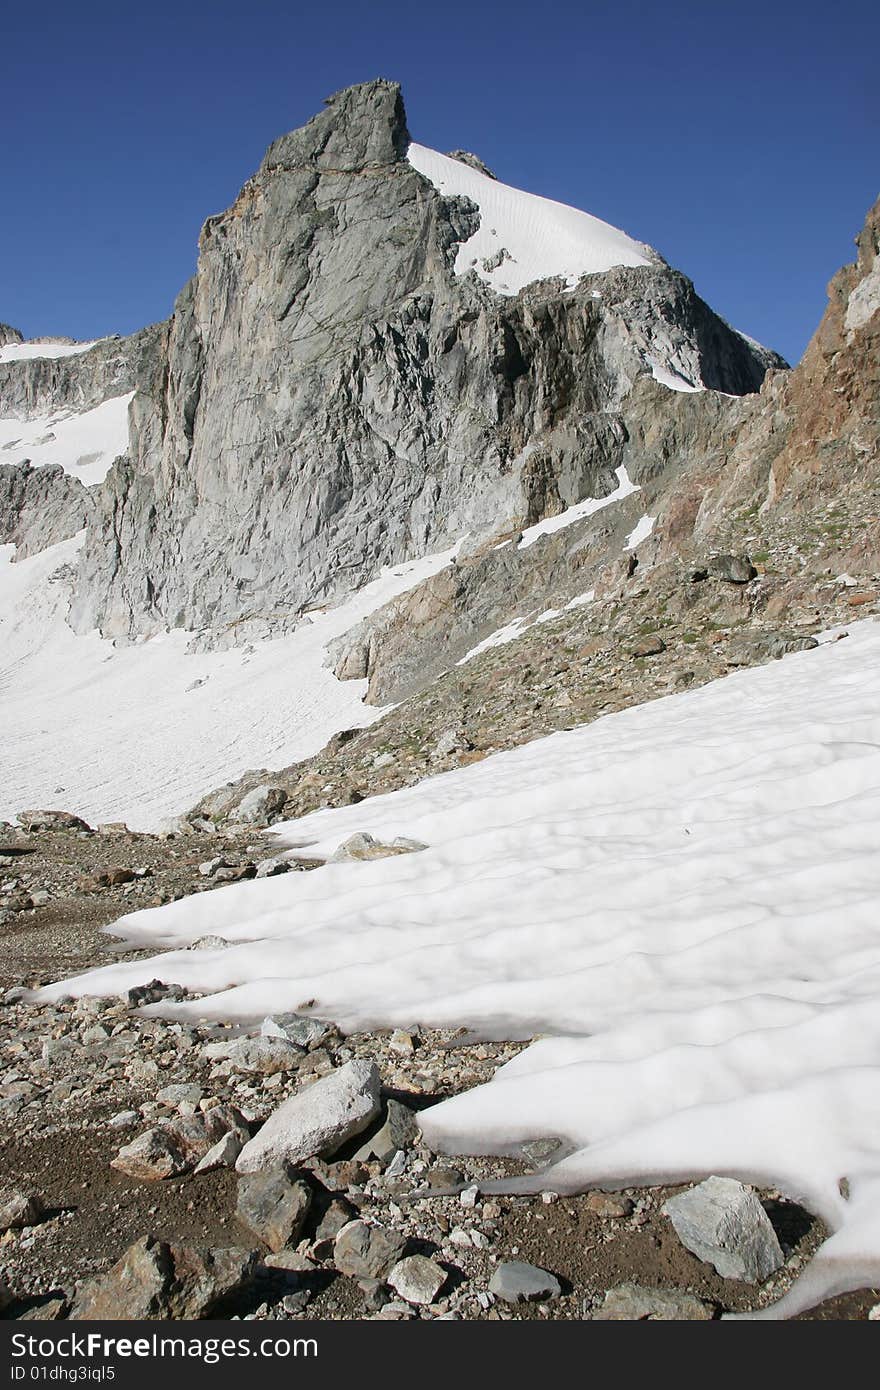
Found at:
(37, 386)
(40, 506)
(802, 452)
(334, 398)
(8, 334)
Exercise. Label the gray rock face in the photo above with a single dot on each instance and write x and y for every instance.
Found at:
(722, 1222)
(41, 385)
(317, 1120)
(517, 1282)
(333, 398)
(40, 506)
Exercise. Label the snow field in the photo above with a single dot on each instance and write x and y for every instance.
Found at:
(79, 731)
(682, 898)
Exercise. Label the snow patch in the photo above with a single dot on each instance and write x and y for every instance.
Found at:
(523, 237)
(625, 488)
(640, 532)
(682, 896)
(24, 352)
(84, 443)
(77, 715)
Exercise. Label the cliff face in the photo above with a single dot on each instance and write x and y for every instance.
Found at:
(797, 462)
(41, 505)
(331, 397)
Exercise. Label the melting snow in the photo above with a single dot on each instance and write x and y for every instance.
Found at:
(683, 895)
(640, 532)
(667, 375)
(75, 714)
(539, 237)
(624, 488)
(83, 443)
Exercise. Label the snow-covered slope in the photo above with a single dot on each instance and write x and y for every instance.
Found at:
(684, 895)
(23, 352)
(84, 443)
(523, 237)
(139, 732)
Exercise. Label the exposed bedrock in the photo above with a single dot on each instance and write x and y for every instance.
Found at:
(335, 399)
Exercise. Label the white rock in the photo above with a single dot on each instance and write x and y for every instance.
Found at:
(316, 1120)
(417, 1279)
(222, 1155)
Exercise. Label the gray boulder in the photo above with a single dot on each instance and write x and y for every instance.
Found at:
(633, 1303)
(367, 1252)
(722, 1222)
(513, 1281)
(273, 1206)
(259, 806)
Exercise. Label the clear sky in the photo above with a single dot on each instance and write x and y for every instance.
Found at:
(739, 139)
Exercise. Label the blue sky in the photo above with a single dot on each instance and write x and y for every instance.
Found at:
(741, 141)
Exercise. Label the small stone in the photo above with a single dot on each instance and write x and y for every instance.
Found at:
(273, 1206)
(18, 1209)
(265, 1055)
(632, 1303)
(301, 1029)
(337, 1215)
(516, 1282)
(722, 1222)
(270, 868)
(470, 1196)
(417, 1280)
(179, 1093)
(609, 1204)
(209, 943)
(124, 1119)
(649, 646)
(154, 1155)
(367, 1252)
(222, 1155)
(397, 1133)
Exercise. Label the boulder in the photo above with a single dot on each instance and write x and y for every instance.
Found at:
(18, 1209)
(722, 1222)
(52, 820)
(516, 1282)
(259, 806)
(367, 1252)
(632, 1303)
(273, 1206)
(156, 1281)
(735, 569)
(317, 1120)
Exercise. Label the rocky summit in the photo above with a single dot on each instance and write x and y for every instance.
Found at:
(423, 469)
